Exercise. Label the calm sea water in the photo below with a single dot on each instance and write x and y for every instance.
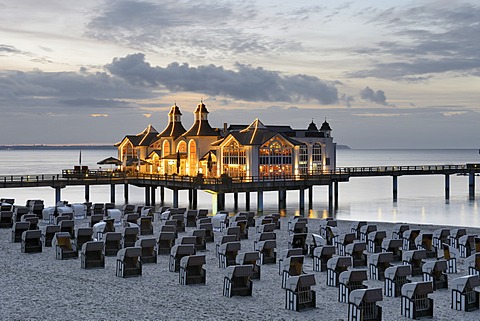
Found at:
(420, 198)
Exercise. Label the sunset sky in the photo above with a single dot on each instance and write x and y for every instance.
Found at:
(385, 74)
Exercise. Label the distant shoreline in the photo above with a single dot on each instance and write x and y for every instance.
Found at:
(53, 147)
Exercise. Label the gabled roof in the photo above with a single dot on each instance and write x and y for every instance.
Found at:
(144, 138)
(257, 134)
(157, 152)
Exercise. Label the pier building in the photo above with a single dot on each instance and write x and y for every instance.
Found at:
(239, 151)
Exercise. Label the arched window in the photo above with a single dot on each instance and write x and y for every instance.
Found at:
(234, 160)
(166, 148)
(275, 159)
(192, 157)
(316, 157)
(182, 147)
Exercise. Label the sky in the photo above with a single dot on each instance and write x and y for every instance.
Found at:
(384, 74)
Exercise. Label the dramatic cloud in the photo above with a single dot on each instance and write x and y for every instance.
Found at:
(425, 40)
(377, 97)
(244, 83)
(188, 28)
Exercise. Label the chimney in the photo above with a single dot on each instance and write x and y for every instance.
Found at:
(225, 129)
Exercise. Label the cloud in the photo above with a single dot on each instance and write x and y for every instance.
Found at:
(243, 83)
(424, 40)
(10, 50)
(377, 97)
(188, 28)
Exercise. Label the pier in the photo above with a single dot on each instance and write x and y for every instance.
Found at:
(218, 187)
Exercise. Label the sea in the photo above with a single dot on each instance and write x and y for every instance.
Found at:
(421, 199)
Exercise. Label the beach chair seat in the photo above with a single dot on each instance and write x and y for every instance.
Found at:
(192, 270)
(378, 263)
(329, 221)
(64, 249)
(335, 266)
(466, 245)
(298, 240)
(95, 218)
(98, 209)
(342, 240)
(350, 280)
(298, 227)
(357, 251)
(170, 226)
(32, 219)
(128, 262)
(93, 255)
(191, 218)
(49, 233)
(473, 264)
(440, 236)
(317, 241)
(331, 234)
(291, 266)
(6, 219)
(19, 211)
(394, 246)
(243, 229)
(88, 208)
(263, 237)
(374, 241)
(250, 258)
(435, 272)
(455, 235)
(267, 251)
(233, 230)
(83, 234)
(450, 254)
(149, 249)
(146, 225)
(355, 228)
(220, 221)
(264, 228)
(285, 254)
(166, 241)
(464, 297)
(365, 230)
(415, 259)
(178, 251)
(202, 213)
(224, 239)
(209, 234)
(399, 229)
(130, 236)
(187, 240)
(415, 302)
(68, 226)
(113, 243)
(395, 278)
(18, 229)
(227, 254)
(31, 241)
(128, 209)
(180, 224)
(362, 305)
(237, 280)
(299, 295)
(107, 207)
(203, 220)
(409, 237)
(321, 255)
(425, 241)
(200, 243)
(130, 218)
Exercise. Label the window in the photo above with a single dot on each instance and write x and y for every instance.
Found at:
(275, 159)
(166, 148)
(193, 157)
(303, 160)
(317, 157)
(234, 160)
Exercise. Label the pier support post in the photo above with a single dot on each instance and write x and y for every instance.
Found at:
(447, 186)
(112, 193)
(58, 194)
(87, 193)
(260, 202)
(221, 201)
(335, 192)
(175, 198)
(310, 198)
(125, 192)
(330, 198)
(162, 195)
(301, 201)
(282, 200)
(247, 201)
(471, 186)
(190, 197)
(152, 195)
(194, 199)
(395, 187)
(147, 195)
(235, 200)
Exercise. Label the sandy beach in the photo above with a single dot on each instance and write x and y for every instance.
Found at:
(40, 287)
